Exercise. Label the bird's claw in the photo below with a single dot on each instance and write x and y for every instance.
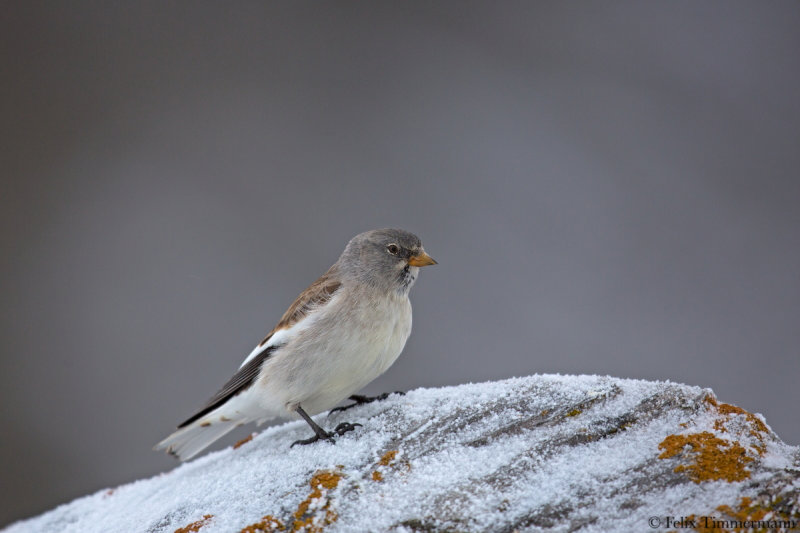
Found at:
(344, 427)
(312, 440)
(339, 430)
(359, 399)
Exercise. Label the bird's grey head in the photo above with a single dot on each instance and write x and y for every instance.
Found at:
(387, 259)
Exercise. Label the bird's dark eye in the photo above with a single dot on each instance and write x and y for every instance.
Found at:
(393, 249)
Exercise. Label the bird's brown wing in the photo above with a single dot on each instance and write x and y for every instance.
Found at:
(317, 294)
(243, 378)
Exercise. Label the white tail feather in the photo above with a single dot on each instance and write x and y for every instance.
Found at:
(188, 441)
(194, 438)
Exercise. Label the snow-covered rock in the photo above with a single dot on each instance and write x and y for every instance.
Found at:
(567, 453)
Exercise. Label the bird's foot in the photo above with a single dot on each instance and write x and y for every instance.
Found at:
(344, 427)
(339, 430)
(302, 442)
(359, 399)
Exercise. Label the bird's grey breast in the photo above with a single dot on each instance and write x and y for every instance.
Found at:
(381, 324)
(375, 326)
(352, 341)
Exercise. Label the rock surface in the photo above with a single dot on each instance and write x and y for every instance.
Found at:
(562, 453)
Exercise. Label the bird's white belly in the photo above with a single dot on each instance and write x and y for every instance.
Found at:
(344, 350)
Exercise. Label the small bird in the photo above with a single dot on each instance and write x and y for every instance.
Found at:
(342, 332)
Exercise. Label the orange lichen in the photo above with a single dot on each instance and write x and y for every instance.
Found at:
(268, 524)
(749, 516)
(312, 514)
(320, 516)
(747, 510)
(728, 411)
(387, 458)
(712, 458)
(243, 441)
(194, 527)
(574, 412)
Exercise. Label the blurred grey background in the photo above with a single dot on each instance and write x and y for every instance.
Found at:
(609, 187)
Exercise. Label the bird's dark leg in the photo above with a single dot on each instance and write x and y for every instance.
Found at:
(320, 433)
(361, 400)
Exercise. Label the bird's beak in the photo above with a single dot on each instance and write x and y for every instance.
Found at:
(420, 260)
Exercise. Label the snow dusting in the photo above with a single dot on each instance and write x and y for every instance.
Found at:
(545, 452)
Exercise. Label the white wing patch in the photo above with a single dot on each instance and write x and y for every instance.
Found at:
(282, 336)
(279, 337)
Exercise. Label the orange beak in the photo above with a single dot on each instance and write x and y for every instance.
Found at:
(420, 260)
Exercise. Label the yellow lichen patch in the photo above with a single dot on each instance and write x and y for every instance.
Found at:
(194, 527)
(268, 524)
(312, 514)
(574, 412)
(748, 516)
(747, 510)
(243, 441)
(387, 458)
(710, 458)
(727, 411)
